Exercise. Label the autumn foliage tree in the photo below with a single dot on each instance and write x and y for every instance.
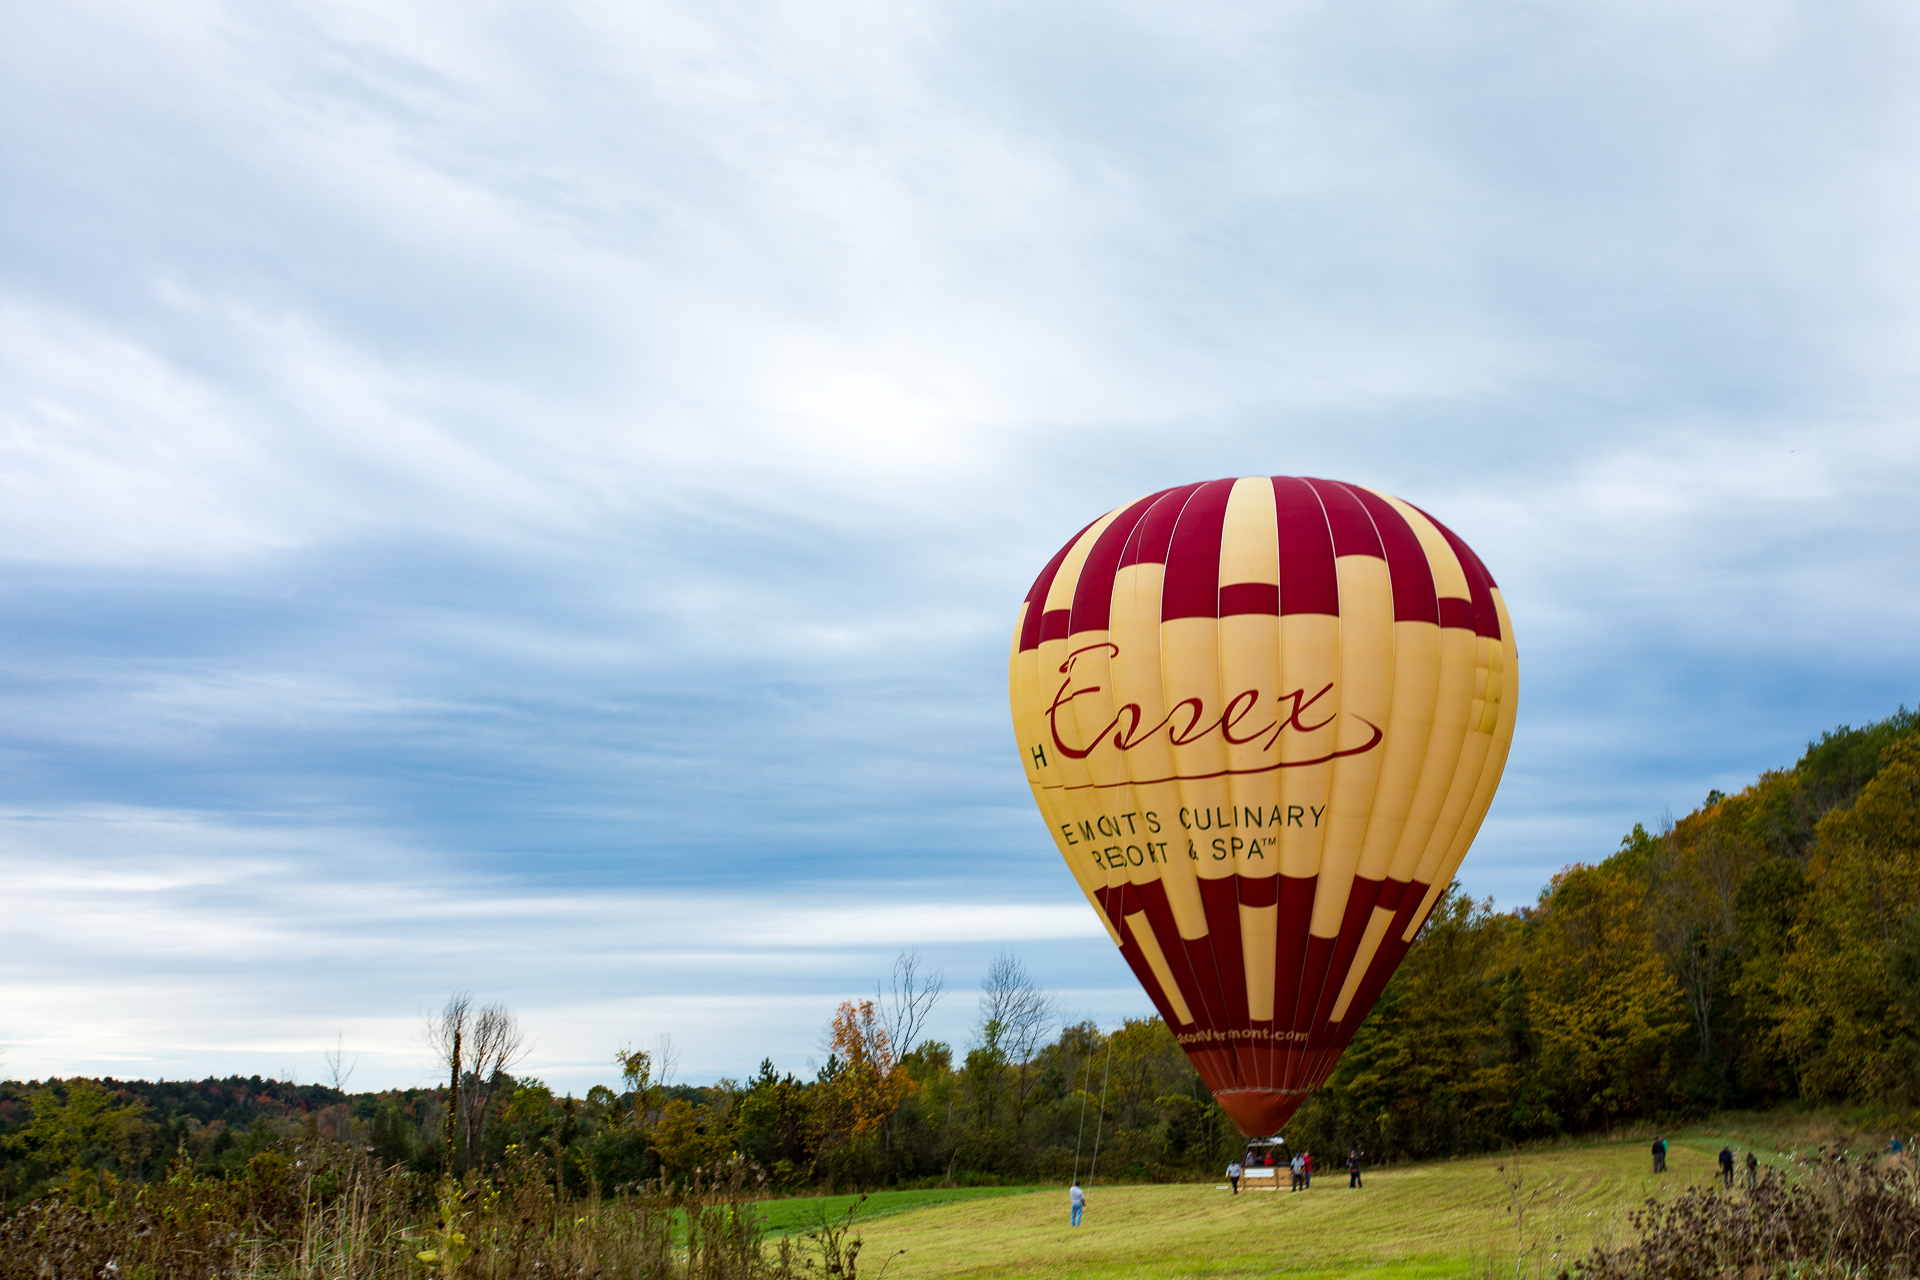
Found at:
(1847, 1013)
(1604, 1005)
(868, 1081)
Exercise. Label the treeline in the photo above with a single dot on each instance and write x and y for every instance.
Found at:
(1763, 949)
(1014, 1108)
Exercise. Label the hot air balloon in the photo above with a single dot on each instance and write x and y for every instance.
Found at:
(1263, 719)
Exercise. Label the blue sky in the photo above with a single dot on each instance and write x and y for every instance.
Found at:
(533, 498)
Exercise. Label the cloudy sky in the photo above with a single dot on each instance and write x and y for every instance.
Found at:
(532, 498)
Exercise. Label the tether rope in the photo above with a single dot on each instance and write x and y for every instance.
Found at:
(1100, 1122)
(1079, 1137)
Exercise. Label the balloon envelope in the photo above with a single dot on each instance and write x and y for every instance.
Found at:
(1263, 719)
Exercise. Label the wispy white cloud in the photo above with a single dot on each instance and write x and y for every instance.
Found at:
(166, 939)
(579, 462)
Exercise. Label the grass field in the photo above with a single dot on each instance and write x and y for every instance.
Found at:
(1492, 1215)
(804, 1213)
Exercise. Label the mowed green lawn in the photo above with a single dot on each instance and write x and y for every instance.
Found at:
(1443, 1219)
(806, 1213)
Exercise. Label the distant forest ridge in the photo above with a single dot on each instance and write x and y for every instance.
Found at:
(1763, 949)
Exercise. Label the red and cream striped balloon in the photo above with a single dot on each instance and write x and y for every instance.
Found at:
(1263, 719)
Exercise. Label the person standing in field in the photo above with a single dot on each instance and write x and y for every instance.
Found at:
(1295, 1168)
(1306, 1168)
(1659, 1154)
(1078, 1199)
(1353, 1168)
(1726, 1165)
(1233, 1175)
(1753, 1171)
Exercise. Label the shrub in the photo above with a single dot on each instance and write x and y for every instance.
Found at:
(1833, 1216)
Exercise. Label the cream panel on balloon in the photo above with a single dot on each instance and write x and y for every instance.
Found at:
(1310, 703)
(1140, 682)
(1366, 703)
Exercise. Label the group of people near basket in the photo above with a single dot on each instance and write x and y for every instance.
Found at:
(1301, 1166)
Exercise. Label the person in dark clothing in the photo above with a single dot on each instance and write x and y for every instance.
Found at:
(1353, 1169)
(1659, 1155)
(1726, 1165)
(1753, 1171)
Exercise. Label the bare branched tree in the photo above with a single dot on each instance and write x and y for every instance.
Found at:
(666, 1060)
(479, 1048)
(1012, 1000)
(339, 1071)
(907, 999)
(446, 1033)
(1016, 1017)
(498, 1046)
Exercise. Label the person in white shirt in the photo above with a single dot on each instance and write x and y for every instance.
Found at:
(1078, 1199)
(1299, 1172)
(1233, 1176)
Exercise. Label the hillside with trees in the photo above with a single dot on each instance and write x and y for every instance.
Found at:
(1762, 950)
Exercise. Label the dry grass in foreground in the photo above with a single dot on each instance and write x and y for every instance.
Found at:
(325, 1212)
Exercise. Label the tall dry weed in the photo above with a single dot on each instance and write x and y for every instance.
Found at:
(328, 1212)
(1827, 1216)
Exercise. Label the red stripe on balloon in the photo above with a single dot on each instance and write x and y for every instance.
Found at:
(1238, 598)
(1480, 584)
(1136, 958)
(1407, 900)
(1353, 531)
(1415, 599)
(1290, 951)
(1198, 964)
(1308, 583)
(1193, 556)
(1037, 594)
(1148, 545)
(1221, 899)
(1191, 973)
(1259, 891)
(1361, 897)
(1093, 593)
(1391, 892)
(1216, 1067)
(1313, 973)
(1202, 967)
(1455, 612)
(1191, 960)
